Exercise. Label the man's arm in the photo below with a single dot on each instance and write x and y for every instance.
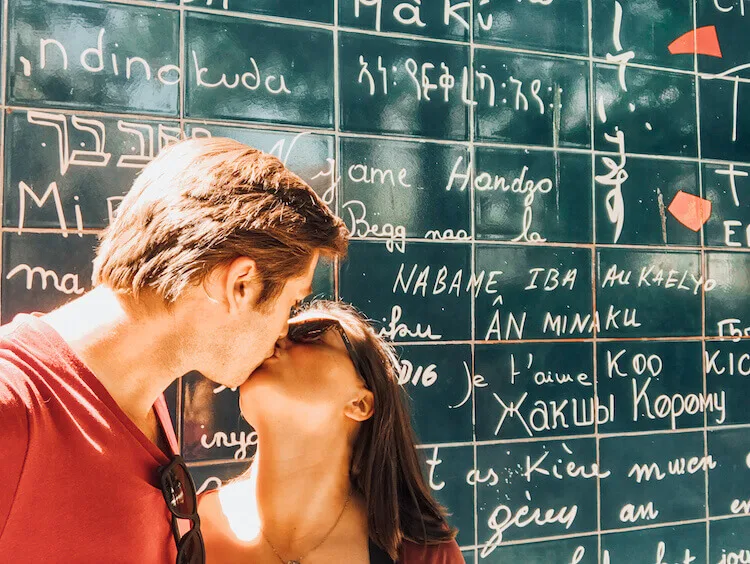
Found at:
(14, 442)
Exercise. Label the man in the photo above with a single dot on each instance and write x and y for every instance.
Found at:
(211, 248)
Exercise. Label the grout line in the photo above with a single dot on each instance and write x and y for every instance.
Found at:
(559, 341)
(487, 243)
(335, 170)
(601, 435)
(3, 96)
(594, 285)
(183, 69)
(50, 231)
(675, 249)
(701, 191)
(5, 43)
(473, 258)
(665, 525)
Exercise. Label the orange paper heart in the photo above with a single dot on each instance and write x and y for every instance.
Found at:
(690, 210)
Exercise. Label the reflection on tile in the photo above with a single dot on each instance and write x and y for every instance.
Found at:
(445, 470)
(396, 189)
(645, 198)
(41, 272)
(312, 10)
(435, 379)
(647, 472)
(656, 113)
(646, 29)
(560, 27)
(93, 57)
(422, 294)
(727, 369)
(403, 86)
(514, 482)
(728, 18)
(307, 154)
(725, 126)
(90, 169)
(539, 378)
(638, 376)
(726, 315)
(212, 426)
(532, 196)
(531, 99)
(685, 543)
(582, 550)
(727, 483)
(533, 293)
(649, 293)
(252, 70)
(211, 477)
(441, 20)
(725, 186)
(728, 539)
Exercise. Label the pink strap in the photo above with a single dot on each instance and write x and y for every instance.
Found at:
(162, 412)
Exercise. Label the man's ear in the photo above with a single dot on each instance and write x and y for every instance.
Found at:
(241, 284)
(361, 407)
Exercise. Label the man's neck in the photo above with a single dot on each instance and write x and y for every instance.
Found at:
(131, 353)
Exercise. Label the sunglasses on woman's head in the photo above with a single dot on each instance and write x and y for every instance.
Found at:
(311, 329)
(179, 492)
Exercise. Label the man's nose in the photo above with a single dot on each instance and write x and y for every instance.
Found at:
(284, 331)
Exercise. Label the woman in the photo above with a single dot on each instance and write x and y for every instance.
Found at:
(336, 477)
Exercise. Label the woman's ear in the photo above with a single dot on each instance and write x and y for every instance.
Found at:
(360, 407)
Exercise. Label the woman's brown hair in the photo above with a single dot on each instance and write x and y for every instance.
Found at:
(205, 202)
(385, 467)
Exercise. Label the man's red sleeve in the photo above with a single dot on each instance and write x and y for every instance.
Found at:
(14, 442)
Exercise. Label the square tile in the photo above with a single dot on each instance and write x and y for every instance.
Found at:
(93, 56)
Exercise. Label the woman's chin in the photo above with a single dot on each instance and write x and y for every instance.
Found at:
(248, 396)
(246, 409)
(254, 375)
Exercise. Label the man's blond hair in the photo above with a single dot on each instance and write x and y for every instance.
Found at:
(204, 202)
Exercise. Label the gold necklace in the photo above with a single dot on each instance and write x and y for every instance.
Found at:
(299, 558)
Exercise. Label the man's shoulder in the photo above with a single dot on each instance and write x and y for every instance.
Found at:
(16, 384)
(17, 389)
(21, 358)
(16, 326)
(19, 336)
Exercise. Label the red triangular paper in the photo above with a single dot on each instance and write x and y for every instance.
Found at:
(703, 41)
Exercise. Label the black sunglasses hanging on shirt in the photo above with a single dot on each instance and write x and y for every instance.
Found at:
(179, 492)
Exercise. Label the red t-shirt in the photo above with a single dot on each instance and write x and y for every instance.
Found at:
(78, 479)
